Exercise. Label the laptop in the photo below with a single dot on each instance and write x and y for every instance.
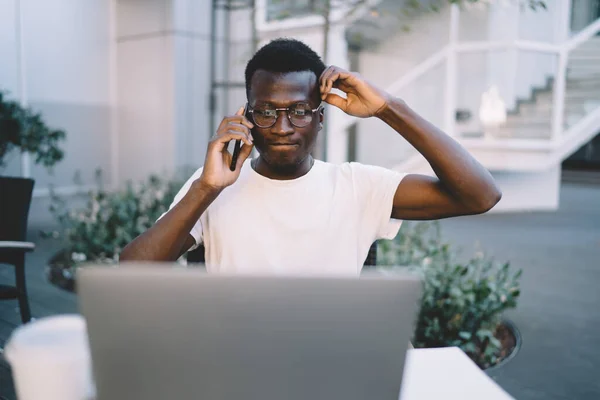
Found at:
(158, 332)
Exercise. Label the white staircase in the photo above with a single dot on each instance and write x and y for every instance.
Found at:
(525, 153)
(532, 118)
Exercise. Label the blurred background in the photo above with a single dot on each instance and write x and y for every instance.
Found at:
(115, 101)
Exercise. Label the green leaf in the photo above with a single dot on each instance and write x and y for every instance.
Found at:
(465, 335)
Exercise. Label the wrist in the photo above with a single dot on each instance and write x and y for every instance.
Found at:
(204, 188)
(393, 109)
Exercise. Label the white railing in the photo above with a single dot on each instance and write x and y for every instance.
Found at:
(450, 52)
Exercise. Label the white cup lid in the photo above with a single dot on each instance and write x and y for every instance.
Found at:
(57, 338)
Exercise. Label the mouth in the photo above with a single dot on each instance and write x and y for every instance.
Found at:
(284, 146)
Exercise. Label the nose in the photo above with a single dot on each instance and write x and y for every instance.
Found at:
(282, 126)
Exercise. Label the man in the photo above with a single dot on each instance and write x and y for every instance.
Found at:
(284, 211)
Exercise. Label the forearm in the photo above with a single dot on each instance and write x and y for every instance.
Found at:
(164, 241)
(461, 175)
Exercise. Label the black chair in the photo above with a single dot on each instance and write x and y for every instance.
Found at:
(15, 200)
(197, 256)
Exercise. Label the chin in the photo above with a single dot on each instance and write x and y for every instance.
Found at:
(283, 161)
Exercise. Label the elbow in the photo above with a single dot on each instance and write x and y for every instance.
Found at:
(488, 200)
(124, 256)
(128, 254)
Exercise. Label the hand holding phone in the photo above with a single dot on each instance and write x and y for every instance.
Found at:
(221, 169)
(238, 146)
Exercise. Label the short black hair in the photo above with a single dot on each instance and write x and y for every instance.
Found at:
(284, 55)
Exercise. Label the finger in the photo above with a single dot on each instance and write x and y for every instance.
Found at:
(323, 78)
(246, 138)
(238, 127)
(336, 100)
(238, 117)
(221, 141)
(242, 129)
(244, 120)
(244, 154)
(333, 78)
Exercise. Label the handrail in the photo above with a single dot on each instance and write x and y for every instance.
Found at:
(583, 35)
(419, 70)
(466, 47)
(483, 45)
(540, 47)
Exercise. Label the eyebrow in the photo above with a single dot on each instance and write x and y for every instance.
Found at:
(273, 103)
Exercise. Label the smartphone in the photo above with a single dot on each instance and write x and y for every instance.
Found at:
(237, 147)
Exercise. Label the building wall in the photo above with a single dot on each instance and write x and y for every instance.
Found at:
(515, 73)
(529, 191)
(521, 191)
(145, 89)
(378, 144)
(163, 85)
(66, 54)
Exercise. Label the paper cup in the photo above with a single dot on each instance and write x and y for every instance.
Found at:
(50, 359)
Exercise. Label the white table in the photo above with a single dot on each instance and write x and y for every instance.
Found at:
(446, 373)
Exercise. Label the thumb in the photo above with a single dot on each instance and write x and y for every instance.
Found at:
(240, 111)
(336, 100)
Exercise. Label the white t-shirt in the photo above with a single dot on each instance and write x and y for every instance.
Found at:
(321, 223)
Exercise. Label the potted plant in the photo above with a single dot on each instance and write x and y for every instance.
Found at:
(463, 301)
(22, 130)
(97, 231)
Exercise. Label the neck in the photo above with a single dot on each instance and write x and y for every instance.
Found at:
(282, 173)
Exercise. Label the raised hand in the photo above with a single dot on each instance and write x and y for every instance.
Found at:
(362, 98)
(216, 173)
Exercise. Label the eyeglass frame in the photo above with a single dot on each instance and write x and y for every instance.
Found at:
(250, 110)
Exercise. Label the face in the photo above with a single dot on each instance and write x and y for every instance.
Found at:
(284, 146)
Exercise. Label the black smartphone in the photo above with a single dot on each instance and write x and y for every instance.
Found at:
(237, 147)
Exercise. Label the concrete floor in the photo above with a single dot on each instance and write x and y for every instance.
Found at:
(557, 312)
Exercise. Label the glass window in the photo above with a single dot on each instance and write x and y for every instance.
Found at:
(282, 9)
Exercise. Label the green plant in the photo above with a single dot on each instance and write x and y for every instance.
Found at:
(98, 231)
(462, 302)
(23, 129)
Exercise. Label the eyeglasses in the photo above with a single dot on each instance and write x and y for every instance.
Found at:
(299, 114)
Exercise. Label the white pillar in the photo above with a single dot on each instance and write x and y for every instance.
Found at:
(451, 73)
(114, 95)
(22, 82)
(502, 64)
(560, 80)
(338, 121)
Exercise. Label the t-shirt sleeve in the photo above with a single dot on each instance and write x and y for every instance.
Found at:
(375, 188)
(196, 231)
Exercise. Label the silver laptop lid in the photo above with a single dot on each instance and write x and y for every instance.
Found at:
(164, 333)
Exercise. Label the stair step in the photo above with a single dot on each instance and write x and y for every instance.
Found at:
(523, 132)
(583, 74)
(591, 43)
(590, 77)
(579, 176)
(543, 108)
(535, 119)
(591, 83)
(583, 66)
(582, 95)
(580, 90)
(584, 56)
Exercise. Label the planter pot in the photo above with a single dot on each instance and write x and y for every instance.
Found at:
(59, 273)
(14, 207)
(511, 344)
